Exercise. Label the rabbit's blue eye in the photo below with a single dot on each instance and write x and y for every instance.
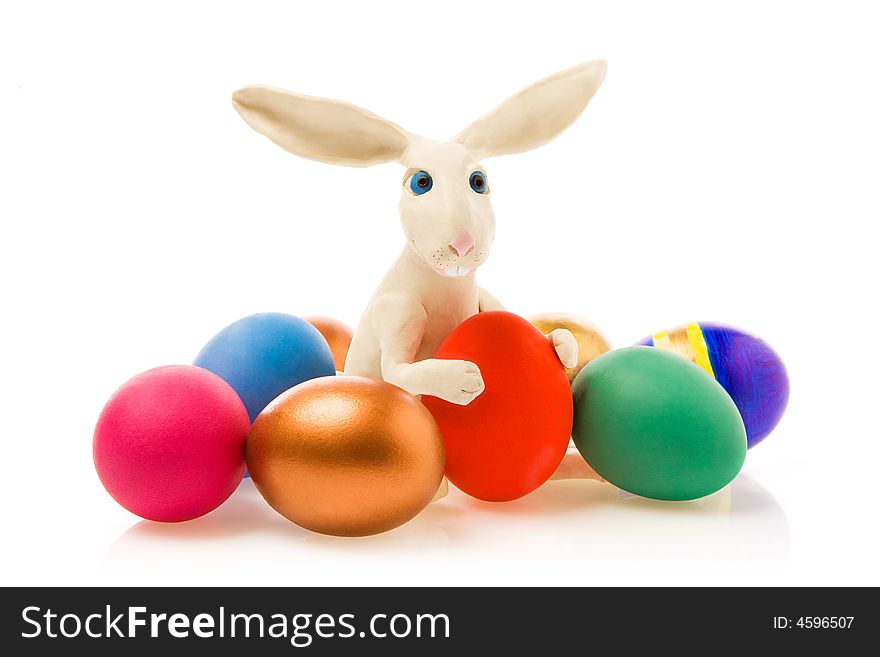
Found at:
(420, 182)
(478, 182)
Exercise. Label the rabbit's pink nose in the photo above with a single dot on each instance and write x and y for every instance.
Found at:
(462, 243)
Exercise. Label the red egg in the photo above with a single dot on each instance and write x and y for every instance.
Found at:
(510, 439)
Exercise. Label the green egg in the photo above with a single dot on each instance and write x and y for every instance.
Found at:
(656, 425)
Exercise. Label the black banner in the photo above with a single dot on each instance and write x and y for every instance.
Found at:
(430, 621)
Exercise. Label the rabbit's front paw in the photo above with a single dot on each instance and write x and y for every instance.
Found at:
(456, 381)
(565, 345)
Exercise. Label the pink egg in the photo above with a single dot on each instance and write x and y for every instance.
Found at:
(169, 445)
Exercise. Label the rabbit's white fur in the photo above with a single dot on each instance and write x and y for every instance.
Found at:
(431, 288)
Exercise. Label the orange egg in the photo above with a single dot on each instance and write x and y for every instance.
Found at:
(346, 455)
(337, 335)
(591, 343)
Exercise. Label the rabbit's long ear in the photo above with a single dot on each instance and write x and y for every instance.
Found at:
(536, 114)
(320, 129)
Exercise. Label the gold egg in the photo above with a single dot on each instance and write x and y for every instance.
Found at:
(591, 343)
(337, 335)
(346, 455)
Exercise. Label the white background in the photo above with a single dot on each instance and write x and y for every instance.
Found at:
(727, 170)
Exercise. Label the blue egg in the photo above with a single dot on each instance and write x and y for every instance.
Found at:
(263, 355)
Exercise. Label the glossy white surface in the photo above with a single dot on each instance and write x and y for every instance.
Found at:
(726, 171)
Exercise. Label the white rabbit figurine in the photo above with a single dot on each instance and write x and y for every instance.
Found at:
(446, 213)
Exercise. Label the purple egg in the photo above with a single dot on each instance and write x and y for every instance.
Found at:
(745, 366)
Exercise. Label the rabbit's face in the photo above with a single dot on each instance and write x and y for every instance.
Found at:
(445, 207)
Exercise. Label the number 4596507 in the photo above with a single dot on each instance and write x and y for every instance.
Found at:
(824, 622)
